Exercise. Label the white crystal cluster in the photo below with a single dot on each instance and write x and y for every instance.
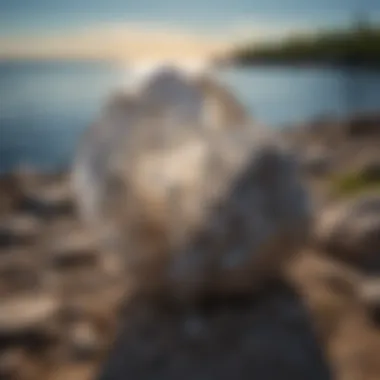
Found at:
(194, 194)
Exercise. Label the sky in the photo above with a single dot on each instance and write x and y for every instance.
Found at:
(145, 27)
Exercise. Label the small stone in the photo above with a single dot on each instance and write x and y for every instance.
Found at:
(84, 343)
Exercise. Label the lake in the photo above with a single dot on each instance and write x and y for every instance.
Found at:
(45, 106)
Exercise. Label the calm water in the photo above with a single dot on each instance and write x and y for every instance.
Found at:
(44, 107)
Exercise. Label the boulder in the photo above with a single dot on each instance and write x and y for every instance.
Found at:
(192, 207)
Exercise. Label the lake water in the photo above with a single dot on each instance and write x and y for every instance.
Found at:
(44, 107)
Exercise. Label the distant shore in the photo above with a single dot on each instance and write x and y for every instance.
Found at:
(301, 63)
(355, 47)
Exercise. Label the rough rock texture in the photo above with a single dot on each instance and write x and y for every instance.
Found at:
(192, 207)
(267, 336)
(206, 212)
(351, 231)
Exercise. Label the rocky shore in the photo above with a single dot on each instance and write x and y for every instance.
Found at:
(61, 295)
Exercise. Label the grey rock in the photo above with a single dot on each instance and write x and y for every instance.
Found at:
(192, 207)
(267, 336)
(350, 230)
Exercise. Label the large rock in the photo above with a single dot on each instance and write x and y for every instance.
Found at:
(203, 216)
(350, 231)
(193, 207)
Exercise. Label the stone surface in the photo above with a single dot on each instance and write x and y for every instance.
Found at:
(48, 200)
(84, 341)
(350, 231)
(194, 208)
(72, 248)
(369, 293)
(316, 161)
(264, 337)
(18, 230)
(24, 318)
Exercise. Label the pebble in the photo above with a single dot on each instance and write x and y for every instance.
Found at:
(84, 342)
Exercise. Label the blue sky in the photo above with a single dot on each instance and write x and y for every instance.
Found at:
(19, 17)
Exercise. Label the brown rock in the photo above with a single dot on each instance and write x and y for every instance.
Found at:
(18, 229)
(25, 318)
(369, 292)
(72, 249)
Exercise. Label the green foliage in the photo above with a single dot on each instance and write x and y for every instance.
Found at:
(357, 45)
(353, 183)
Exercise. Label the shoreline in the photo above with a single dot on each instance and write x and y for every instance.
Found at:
(297, 64)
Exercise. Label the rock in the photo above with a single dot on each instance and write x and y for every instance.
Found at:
(72, 249)
(84, 342)
(193, 208)
(370, 171)
(10, 363)
(317, 162)
(267, 336)
(18, 230)
(48, 200)
(350, 231)
(369, 293)
(365, 125)
(18, 273)
(25, 319)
